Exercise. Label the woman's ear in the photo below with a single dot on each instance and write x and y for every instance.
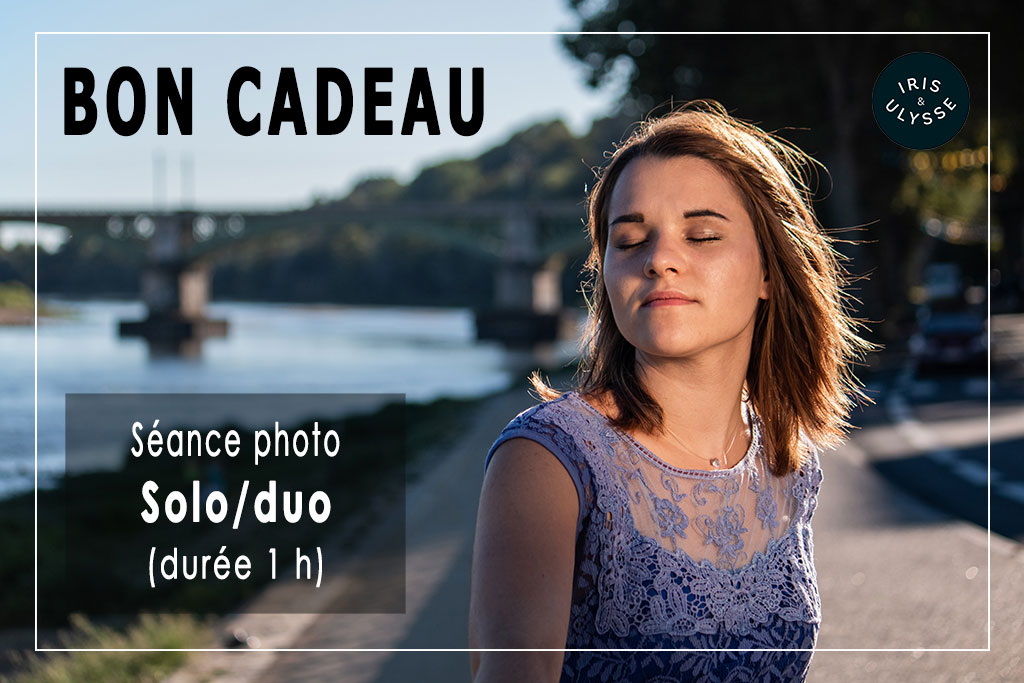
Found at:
(765, 286)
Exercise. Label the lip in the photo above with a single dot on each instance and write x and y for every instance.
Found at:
(667, 297)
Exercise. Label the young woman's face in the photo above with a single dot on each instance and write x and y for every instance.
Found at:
(682, 265)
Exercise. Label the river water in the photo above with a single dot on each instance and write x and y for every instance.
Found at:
(422, 353)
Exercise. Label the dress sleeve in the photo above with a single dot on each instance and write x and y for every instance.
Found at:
(528, 425)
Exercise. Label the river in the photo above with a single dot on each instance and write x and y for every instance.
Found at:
(270, 348)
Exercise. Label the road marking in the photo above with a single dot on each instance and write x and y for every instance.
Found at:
(854, 453)
(924, 439)
(1011, 489)
(975, 472)
(898, 409)
(944, 456)
(913, 431)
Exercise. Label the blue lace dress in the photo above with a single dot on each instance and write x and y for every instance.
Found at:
(681, 559)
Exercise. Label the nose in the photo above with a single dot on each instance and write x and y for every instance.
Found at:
(662, 258)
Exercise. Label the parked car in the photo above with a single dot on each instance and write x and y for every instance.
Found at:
(949, 339)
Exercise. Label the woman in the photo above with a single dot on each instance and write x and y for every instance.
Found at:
(666, 503)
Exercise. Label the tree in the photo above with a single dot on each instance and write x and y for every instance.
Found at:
(821, 85)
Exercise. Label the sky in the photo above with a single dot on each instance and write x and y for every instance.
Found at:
(527, 79)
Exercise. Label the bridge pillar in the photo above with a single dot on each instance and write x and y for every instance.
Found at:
(175, 292)
(528, 296)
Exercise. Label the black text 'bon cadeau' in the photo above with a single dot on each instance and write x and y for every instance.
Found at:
(175, 99)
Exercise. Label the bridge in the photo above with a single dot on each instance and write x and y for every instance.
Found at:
(531, 241)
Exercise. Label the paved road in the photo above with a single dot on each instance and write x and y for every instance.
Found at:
(930, 436)
(894, 572)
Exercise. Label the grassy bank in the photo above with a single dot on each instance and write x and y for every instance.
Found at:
(167, 632)
(17, 305)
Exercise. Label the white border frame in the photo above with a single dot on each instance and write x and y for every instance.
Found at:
(988, 209)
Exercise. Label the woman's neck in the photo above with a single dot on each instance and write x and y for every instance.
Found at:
(700, 401)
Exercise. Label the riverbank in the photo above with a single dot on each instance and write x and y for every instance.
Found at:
(15, 316)
(18, 305)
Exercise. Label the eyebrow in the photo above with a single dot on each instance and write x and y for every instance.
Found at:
(639, 217)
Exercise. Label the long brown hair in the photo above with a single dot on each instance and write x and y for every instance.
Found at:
(800, 377)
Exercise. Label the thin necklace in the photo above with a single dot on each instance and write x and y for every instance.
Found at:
(716, 462)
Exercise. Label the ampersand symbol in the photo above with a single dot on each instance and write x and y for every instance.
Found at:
(920, 101)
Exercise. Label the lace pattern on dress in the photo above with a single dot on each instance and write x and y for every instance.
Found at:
(679, 552)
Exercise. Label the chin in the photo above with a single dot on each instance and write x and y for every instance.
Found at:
(672, 346)
(677, 353)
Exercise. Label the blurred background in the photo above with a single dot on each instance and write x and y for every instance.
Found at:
(446, 268)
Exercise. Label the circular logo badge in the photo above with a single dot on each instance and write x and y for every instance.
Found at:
(920, 100)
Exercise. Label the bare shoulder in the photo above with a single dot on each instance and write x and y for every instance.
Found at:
(526, 468)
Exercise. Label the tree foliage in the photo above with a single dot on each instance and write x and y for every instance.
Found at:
(814, 89)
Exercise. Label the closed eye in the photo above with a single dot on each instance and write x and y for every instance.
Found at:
(625, 246)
